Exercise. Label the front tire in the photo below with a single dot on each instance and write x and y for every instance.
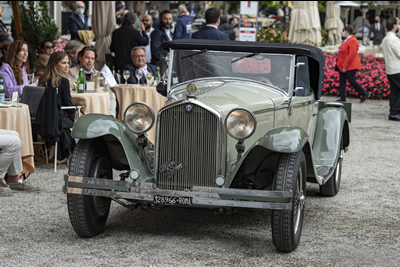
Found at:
(88, 214)
(287, 224)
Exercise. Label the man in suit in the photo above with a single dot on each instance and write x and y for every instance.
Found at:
(138, 61)
(161, 34)
(210, 30)
(378, 30)
(78, 21)
(391, 54)
(125, 38)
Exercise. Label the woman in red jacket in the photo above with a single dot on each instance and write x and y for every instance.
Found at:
(348, 62)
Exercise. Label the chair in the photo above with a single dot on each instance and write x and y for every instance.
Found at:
(32, 96)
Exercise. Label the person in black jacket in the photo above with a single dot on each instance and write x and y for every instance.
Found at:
(160, 35)
(78, 21)
(125, 38)
(210, 30)
(61, 121)
(138, 57)
(227, 27)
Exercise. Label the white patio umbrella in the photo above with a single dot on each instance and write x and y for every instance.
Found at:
(305, 25)
(103, 24)
(333, 23)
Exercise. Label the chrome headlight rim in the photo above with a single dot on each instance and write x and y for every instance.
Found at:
(147, 106)
(251, 115)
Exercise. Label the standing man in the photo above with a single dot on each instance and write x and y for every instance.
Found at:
(138, 61)
(148, 27)
(86, 59)
(183, 27)
(378, 30)
(78, 21)
(160, 35)
(391, 53)
(5, 34)
(210, 31)
(125, 38)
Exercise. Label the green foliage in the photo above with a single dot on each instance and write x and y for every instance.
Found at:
(37, 25)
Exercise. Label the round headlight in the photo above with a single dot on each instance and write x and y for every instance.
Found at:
(139, 117)
(240, 124)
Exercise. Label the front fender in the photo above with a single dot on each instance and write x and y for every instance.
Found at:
(284, 139)
(93, 126)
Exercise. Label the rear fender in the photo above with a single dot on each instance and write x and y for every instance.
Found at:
(332, 125)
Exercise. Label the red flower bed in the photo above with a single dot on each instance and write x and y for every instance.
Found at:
(372, 77)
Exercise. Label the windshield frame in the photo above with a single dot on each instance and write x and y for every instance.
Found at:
(173, 81)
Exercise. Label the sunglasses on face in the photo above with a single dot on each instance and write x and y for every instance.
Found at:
(49, 47)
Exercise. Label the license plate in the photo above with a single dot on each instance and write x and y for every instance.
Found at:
(166, 200)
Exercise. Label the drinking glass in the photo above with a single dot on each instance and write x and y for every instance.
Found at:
(139, 75)
(75, 83)
(149, 79)
(126, 74)
(31, 78)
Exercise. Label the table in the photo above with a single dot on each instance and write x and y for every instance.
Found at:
(93, 102)
(128, 93)
(19, 119)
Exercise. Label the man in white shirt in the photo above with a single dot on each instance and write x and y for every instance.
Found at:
(148, 27)
(391, 53)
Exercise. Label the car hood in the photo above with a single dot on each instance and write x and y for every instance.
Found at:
(226, 95)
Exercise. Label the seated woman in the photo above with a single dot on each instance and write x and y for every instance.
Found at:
(47, 48)
(13, 71)
(55, 76)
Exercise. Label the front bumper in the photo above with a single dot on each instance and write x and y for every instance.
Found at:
(201, 196)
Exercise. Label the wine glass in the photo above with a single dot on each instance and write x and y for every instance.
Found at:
(126, 74)
(149, 79)
(139, 75)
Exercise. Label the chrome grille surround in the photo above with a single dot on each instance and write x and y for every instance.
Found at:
(188, 146)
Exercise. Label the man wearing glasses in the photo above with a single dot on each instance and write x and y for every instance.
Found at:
(46, 48)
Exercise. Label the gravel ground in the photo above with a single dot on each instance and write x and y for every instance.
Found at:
(358, 227)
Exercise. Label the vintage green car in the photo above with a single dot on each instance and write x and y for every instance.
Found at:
(243, 127)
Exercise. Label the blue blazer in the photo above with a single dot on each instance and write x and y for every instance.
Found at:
(132, 69)
(75, 23)
(210, 33)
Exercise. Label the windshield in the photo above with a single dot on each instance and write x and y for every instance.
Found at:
(271, 69)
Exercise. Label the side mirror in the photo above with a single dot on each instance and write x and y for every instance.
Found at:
(162, 88)
(300, 64)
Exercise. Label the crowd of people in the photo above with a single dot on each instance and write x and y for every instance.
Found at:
(136, 46)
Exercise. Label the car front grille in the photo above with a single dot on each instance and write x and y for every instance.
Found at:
(188, 147)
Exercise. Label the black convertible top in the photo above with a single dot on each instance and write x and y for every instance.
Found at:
(315, 55)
